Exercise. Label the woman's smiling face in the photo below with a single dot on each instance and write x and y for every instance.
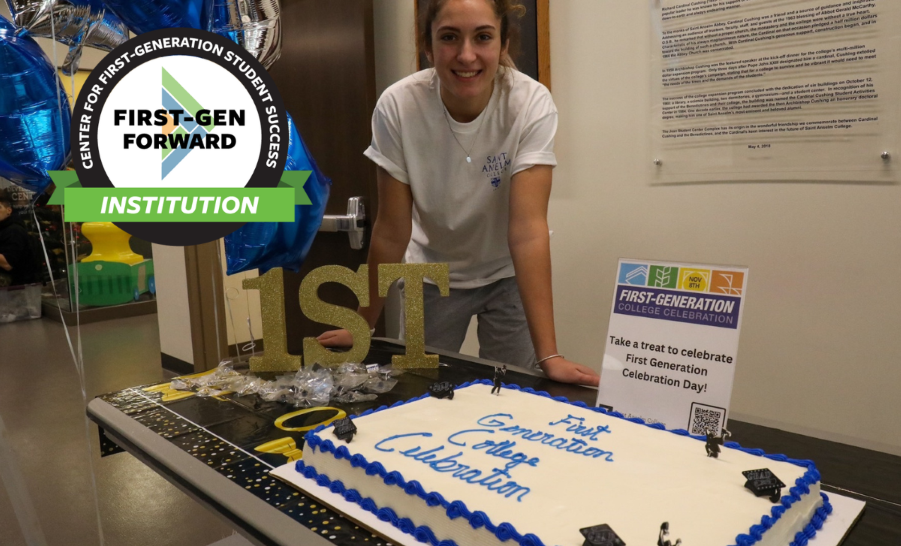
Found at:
(466, 52)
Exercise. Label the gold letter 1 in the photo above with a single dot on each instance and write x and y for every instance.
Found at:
(272, 303)
(414, 324)
(335, 315)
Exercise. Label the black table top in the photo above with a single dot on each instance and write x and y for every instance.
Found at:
(225, 434)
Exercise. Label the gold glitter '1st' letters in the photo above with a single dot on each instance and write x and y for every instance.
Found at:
(272, 306)
(414, 323)
(272, 296)
(316, 309)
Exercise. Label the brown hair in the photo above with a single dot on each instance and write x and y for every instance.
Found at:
(6, 199)
(508, 11)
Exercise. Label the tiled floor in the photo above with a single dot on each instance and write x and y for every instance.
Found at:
(42, 410)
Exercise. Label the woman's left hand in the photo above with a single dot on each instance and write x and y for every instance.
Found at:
(565, 371)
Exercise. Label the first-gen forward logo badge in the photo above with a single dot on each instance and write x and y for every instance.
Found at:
(187, 127)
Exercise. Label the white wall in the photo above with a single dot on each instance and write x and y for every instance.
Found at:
(395, 57)
(240, 305)
(820, 350)
(172, 302)
(394, 29)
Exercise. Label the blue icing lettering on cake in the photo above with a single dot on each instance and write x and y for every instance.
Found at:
(483, 469)
(493, 480)
(571, 445)
(495, 449)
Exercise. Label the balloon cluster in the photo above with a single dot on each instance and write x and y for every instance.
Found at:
(266, 245)
(104, 24)
(34, 112)
(74, 23)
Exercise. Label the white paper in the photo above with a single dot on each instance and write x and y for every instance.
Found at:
(774, 90)
(672, 343)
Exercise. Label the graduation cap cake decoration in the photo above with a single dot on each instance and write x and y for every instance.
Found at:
(714, 442)
(764, 483)
(345, 429)
(443, 389)
(600, 535)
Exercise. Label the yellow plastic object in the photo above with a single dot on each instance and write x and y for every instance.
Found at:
(110, 243)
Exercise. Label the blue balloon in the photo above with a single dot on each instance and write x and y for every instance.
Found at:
(266, 245)
(145, 15)
(34, 113)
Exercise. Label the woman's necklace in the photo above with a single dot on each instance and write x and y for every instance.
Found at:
(474, 139)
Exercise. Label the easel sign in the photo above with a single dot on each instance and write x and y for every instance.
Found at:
(672, 343)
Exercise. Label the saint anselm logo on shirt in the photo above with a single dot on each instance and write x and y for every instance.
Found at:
(495, 167)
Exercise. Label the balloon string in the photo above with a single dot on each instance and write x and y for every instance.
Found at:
(252, 344)
(216, 301)
(83, 379)
(59, 84)
(228, 303)
(78, 359)
(23, 507)
(231, 318)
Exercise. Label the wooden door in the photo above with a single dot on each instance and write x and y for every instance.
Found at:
(326, 76)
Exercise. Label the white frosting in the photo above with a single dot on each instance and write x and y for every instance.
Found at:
(652, 476)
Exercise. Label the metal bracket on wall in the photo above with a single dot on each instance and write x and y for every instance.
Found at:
(354, 222)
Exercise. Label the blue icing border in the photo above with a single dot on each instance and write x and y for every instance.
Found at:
(506, 531)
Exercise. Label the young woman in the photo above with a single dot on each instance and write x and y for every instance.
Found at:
(465, 155)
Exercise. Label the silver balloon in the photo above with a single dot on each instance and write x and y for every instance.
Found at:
(75, 23)
(252, 24)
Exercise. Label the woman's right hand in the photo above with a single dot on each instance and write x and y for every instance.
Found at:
(336, 338)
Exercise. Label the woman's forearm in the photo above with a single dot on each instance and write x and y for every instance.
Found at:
(531, 252)
(384, 248)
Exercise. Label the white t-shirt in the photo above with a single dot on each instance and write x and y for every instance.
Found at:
(461, 210)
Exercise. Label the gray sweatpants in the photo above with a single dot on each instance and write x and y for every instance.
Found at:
(502, 328)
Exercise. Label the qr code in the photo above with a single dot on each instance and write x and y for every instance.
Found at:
(705, 418)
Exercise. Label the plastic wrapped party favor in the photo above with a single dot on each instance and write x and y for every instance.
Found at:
(280, 390)
(314, 387)
(354, 397)
(210, 391)
(251, 385)
(379, 385)
(387, 370)
(223, 378)
(350, 367)
(350, 376)
(348, 384)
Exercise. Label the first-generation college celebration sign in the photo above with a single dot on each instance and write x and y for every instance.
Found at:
(672, 343)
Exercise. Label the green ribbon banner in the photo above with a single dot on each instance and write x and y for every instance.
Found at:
(180, 204)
